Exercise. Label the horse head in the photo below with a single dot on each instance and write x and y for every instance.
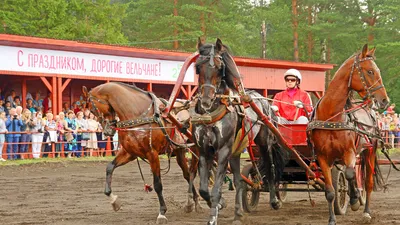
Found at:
(211, 70)
(365, 78)
(101, 108)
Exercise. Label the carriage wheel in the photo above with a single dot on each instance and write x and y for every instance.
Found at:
(282, 195)
(360, 185)
(250, 195)
(341, 188)
(363, 196)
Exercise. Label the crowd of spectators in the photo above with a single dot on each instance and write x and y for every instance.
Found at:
(75, 130)
(389, 125)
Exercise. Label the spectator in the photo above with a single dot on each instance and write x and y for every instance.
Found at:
(62, 121)
(82, 128)
(75, 107)
(29, 105)
(11, 97)
(18, 109)
(71, 127)
(92, 127)
(7, 107)
(28, 96)
(37, 102)
(2, 94)
(60, 135)
(37, 134)
(3, 130)
(51, 128)
(27, 125)
(102, 141)
(86, 114)
(390, 109)
(2, 108)
(66, 107)
(13, 124)
(115, 140)
(17, 101)
(47, 104)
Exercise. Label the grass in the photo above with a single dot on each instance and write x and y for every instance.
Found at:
(55, 160)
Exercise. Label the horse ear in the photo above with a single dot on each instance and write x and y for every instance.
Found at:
(200, 42)
(371, 52)
(219, 44)
(364, 51)
(84, 91)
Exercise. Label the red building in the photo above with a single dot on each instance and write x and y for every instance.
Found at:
(29, 64)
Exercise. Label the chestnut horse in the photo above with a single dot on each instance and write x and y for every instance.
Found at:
(143, 133)
(221, 125)
(339, 131)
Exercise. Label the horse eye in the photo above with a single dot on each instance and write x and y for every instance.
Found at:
(370, 72)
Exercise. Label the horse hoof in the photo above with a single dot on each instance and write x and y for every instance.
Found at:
(276, 205)
(366, 218)
(212, 222)
(332, 223)
(188, 208)
(355, 206)
(161, 219)
(115, 202)
(222, 204)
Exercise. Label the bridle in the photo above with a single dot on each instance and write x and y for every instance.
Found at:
(97, 111)
(370, 89)
(210, 59)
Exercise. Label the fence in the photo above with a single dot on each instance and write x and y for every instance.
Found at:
(53, 151)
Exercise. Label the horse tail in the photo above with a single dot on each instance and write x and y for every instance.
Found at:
(279, 160)
(379, 181)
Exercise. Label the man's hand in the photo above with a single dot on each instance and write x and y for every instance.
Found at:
(275, 108)
(298, 104)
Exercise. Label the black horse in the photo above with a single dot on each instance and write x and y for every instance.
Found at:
(220, 124)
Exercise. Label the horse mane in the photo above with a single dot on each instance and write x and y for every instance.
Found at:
(134, 87)
(231, 70)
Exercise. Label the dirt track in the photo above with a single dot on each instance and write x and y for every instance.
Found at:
(72, 193)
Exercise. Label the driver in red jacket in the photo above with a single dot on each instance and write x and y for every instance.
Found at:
(290, 105)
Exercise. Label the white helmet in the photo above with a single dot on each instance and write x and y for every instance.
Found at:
(293, 72)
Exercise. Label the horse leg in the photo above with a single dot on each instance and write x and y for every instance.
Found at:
(192, 192)
(154, 161)
(350, 173)
(273, 198)
(329, 190)
(193, 171)
(237, 179)
(204, 174)
(369, 182)
(217, 202)
(122, 158)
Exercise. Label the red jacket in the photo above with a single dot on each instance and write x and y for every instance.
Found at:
(288, 111)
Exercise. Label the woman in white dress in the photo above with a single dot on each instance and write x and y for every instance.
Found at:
(92, 127)
(37, 134)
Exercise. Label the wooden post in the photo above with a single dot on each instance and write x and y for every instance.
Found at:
(108, 147)
(23, 97)
(54, 96)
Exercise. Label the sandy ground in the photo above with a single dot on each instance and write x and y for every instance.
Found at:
(72, 193)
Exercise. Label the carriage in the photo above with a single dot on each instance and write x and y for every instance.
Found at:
(295, 178)
(214, 138)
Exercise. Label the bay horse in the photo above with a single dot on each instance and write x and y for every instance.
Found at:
(339, 130)
(220, 125)
(142, 132)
